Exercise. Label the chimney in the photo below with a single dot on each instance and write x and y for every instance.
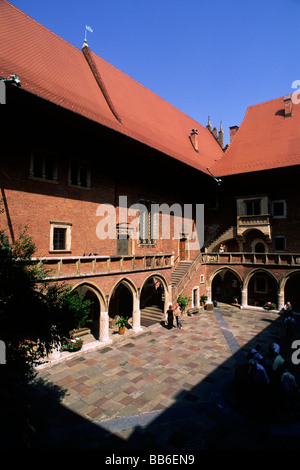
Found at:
(287, 106)
(209, 124)
(215, 133)
(194, 139)
(221, 136)
(233, 130)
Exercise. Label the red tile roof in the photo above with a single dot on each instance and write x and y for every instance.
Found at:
(55, 70)
(265, 140)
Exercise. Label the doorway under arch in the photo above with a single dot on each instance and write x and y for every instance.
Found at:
(226, 286)
(152, 300)
(259, 247)
(88, 293)
(292, 291)
(152, 293)
(262, 288)
(121, 301)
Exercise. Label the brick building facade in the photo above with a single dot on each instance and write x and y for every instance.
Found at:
(86, 149)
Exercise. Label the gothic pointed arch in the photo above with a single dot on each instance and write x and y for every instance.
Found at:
(225, 284)
(90, 291)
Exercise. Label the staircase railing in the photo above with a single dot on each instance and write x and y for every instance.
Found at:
(178, 288)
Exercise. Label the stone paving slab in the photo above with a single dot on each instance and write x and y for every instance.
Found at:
(158, 386)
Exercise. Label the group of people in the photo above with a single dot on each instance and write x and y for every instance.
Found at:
(279, 379)
(174, 312)
(288, 320)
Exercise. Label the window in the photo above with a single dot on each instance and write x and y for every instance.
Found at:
(260, 285)
(201, 278)
(43, 164)
(60, 236)
(279, 243)
(279, 209)
(147, 222)
(79, 174)
(253, 207)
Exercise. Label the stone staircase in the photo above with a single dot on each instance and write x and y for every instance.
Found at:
(180, 270)
(151, 314)
(228, 234)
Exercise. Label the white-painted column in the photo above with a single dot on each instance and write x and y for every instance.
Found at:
(136, 314)
(280, 300)
(244, 301)
(208, 293)
(55, 353)
(104, 328)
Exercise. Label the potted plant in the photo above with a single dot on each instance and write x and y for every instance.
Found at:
(203, 300)
(72, 344)
(269, 306)
(122, 322)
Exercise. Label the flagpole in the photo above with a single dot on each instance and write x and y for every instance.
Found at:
(87, 28)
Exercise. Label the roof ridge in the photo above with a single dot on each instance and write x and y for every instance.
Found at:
(97, 75)
(265, 102)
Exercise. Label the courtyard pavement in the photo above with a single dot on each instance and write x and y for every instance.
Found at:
(161, 390)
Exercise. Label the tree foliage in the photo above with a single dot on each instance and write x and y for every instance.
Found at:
(183, 301)
(33, 310)
(35, 315)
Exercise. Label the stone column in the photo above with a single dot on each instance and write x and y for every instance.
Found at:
(104, 328)
(244, 301)
(136, 315)
(54, 353)
(208, 293)
(280, 300)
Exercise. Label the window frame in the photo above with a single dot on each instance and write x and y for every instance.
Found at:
(283, 215)
(253, 202)
(79, 163)
(256, 288)
(280, 237)
(148, 223)
(44, 153)
(60, 225)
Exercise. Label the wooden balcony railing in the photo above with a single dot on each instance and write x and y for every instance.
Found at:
(68, 267)
(270, 259)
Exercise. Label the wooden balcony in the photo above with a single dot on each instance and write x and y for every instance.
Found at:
(68, 267)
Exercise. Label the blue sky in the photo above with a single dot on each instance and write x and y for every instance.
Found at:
(206, 57)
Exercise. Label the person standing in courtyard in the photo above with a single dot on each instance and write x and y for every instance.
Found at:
(170, 314)
(177, 313)
(289, 323)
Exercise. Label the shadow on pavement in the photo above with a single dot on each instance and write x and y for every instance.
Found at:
(224, 422)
